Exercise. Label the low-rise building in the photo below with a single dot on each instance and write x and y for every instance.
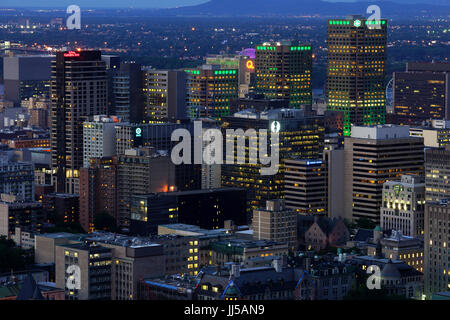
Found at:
(325, 232)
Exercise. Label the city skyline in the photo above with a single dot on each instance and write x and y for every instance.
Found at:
(234, 159)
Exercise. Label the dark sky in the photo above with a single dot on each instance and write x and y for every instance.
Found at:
(99, 3)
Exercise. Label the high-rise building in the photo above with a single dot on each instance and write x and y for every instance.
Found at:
(211, 91)
(334, 163)
(284, 71)
(98, 190)
(276, 223)
(127, 100)
(99, 138)
(356, 70)
(78, 90)
(245, 65)
(17, 178)
(437, 173)
(26, 77)
(300, 137)
(422, 92)
(437, 235)
(156, 135)
(141, 171)
(374, 155)
(164, 95)
(305, 186)
(403, 205)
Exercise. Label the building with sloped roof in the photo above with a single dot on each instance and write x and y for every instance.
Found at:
(325, 232)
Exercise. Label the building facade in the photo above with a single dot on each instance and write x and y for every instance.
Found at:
(356, 70)
(79, 89)
(374, 155)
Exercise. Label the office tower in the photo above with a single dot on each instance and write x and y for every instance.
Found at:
(141, 171)
(276, 222)
(211, 91)
(208, 209)
(300, 137)
(245, 65)
(99, 138)
(127, 100)
(356, 70)
(156, 135)
(94, 263)
(437, 235)
(403, 205)
(17, 178)
(26, 77)
(437, 173)
(98, 190)
(112, 64)
(27, 215)
(422, 92)
(334, 162)
(164, 95)
(435, 136)
(78, 90)
(64, 205)
(283, 71)
(374, 155)
(211, 173)
(305, 186)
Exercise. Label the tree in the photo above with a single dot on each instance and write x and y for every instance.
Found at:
(366, 223)
(12, 257)
(104, 221)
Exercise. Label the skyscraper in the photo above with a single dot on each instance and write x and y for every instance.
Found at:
(127, 100)
(26, 77)
(437, 235)
(165, 95)
(78, 90)
(141, 171)
(374, 155)
(300, 137)
(98, 190)
(437, 173)
(211, 91)
(422, 92)
(245, 65)
(283, 71)
(305, 186)
(356, 70)
(99, 138)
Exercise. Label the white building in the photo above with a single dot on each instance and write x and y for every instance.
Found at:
(403, 205)
(99, 138)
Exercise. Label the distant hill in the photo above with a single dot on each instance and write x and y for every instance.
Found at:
(304, 7)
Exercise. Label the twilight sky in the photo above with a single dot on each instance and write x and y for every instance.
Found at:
(99, 3)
